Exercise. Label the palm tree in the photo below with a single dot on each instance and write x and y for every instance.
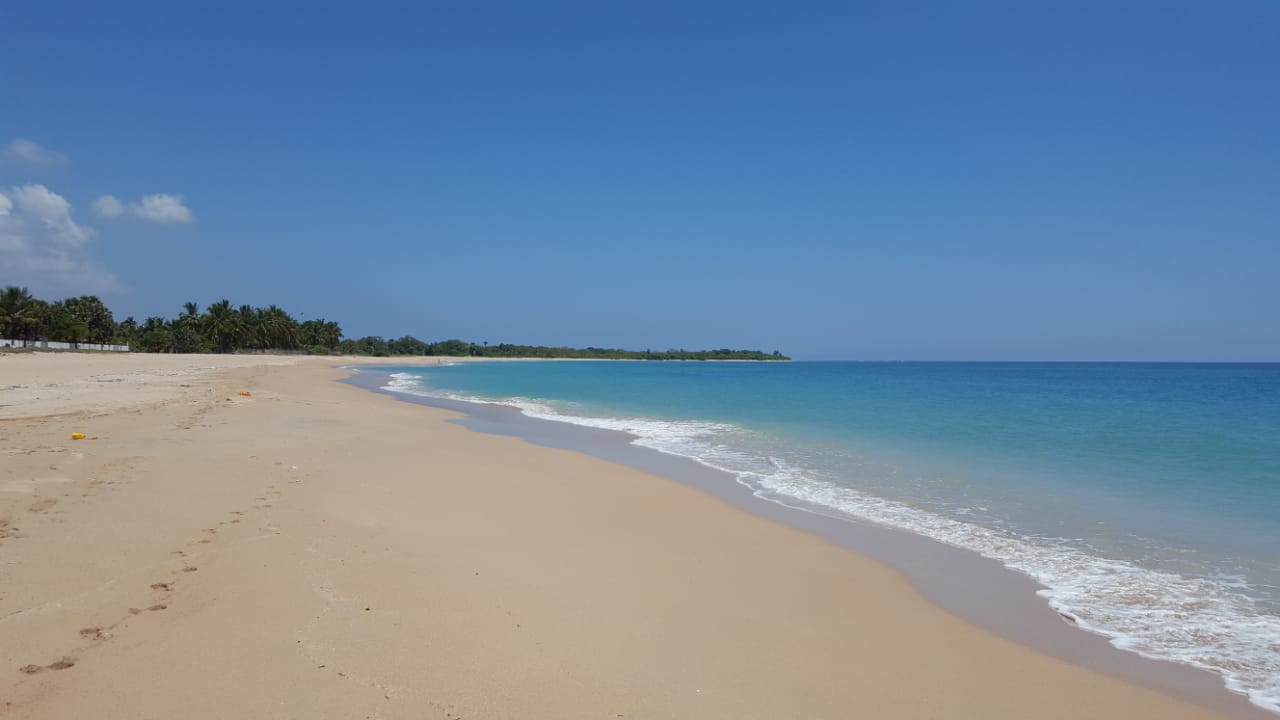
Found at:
(224, 326)
(189, 319)
(251, 331)
(18, 312)
(320, 333)
(154, 324)
(278, 329)
(126, 331)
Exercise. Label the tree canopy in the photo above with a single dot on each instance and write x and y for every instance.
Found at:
(226, 328)
(77, 319)
(219, 328)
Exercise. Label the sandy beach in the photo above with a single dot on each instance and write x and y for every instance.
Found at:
(315, 550)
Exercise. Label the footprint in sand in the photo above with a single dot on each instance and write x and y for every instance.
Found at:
(42, 506)
(94, 633)
(166, 586)
(190, 568)
(60, 664)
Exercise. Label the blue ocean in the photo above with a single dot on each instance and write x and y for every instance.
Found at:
(1144, 497)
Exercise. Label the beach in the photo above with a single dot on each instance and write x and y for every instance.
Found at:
(313, 549)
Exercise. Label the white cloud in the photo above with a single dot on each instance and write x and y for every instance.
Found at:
(33, 153)
(51, 210)
(43, 247)
(160, 208)
(9, 242)
(108, 206)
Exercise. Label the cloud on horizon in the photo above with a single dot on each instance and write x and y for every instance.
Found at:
(159, 208)
(43, 247)
(31, 152)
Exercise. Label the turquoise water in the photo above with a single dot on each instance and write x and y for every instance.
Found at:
(1145, 497)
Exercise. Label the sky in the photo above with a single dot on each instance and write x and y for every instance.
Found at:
(882, 180)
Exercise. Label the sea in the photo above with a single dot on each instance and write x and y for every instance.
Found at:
(1144, 498)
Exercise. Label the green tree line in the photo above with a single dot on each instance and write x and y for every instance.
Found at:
(409, 345)
(224, 328)
(221, 327)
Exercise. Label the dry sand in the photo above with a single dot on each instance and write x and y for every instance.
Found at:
(315, 550)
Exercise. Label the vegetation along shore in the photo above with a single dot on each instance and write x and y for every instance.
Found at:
(225, 328)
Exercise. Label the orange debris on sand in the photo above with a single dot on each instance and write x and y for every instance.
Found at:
(246, 393)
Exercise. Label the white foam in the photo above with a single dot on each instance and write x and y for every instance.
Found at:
(406, 382)
(1160, 615)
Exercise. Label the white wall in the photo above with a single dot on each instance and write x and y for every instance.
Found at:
(51, 345)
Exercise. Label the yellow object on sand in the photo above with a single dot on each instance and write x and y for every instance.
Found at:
(77, 436)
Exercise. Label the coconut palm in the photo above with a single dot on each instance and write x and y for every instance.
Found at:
(251, 335)
(190, 314)
(19, 312)
(224, 326)
(188, 329)
(278, 329)
(320, 333)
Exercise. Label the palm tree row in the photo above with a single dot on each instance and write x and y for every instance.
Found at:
(225, 328)
(77, 319)
(220, 328)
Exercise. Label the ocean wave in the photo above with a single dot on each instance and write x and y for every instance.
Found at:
(1160, 615)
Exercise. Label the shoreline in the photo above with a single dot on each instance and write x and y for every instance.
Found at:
(979, 589)
(313, 549)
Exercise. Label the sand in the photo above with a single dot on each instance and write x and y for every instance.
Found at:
(315, 550)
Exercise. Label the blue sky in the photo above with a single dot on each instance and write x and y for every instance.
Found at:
(835, 180)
